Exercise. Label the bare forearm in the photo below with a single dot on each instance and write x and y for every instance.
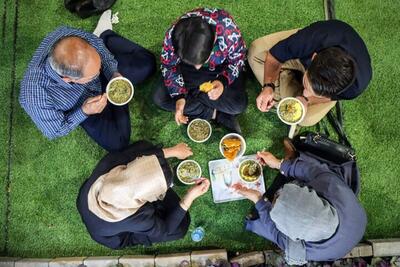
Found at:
(272, 68)
(168, 152)
(186, 202)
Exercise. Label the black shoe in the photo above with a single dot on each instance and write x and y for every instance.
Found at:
(229, 122)
(253, 215)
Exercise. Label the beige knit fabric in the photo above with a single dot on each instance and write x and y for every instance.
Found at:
(119, 193)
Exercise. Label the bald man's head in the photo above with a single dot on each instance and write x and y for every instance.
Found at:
(75, 59)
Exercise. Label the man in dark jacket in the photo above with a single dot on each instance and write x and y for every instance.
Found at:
(315, 216)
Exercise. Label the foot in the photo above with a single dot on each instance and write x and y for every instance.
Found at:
(289, 149)
(229, 122)
(104, 23)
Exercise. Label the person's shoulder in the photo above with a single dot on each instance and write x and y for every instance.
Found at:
(33, 86)
(333, 24)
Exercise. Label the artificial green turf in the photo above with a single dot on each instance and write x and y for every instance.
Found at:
(371, 120)
(7, 15)
(46, 176)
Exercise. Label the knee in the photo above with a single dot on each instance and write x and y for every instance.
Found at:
(118, 143)
(141, 68)
(256, 47)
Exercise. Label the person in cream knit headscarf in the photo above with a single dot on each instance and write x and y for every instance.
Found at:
(128, 200)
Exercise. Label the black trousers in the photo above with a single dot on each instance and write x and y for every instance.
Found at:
(233, 100)
(111, 128)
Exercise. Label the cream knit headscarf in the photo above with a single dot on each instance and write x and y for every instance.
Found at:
(119, 193)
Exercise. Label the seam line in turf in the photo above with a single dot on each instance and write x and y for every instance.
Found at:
(3, 23)
(10, 132)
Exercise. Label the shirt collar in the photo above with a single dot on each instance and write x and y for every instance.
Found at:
(92, 85)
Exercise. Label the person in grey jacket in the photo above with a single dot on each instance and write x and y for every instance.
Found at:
(313, 215)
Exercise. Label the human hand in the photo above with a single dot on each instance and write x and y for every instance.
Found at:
(251, 194)
(201, 187)
(181, 151)
(217, 91)
(179, 107)
(268, 159)
(94, 105)
(265, 100)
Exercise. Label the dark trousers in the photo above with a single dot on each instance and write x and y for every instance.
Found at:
(233, 100)
(111, 128)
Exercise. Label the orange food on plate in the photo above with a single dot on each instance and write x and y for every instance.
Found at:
(231, 147)
(206, 87)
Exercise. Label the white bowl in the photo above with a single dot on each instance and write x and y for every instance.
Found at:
(209, 126)
(180, 164)
(298, 101)
(241, 178)
(108, 87)
(242, 147)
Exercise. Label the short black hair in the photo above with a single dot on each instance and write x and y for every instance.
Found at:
(331, 72)
(193, 40)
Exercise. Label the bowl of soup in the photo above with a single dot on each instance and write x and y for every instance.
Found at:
(290, 111)
(188, 172)
(249, 171)
(119, 91)
(199, 130)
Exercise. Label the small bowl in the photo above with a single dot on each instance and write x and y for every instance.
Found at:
(209, 126)
(259, 166)
(242, 147)
(287, 122)
(108, 88)
(183, 162)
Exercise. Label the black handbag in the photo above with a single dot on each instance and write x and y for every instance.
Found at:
(325, 148)
(87, 8)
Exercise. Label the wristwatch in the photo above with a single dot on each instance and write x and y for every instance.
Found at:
(269, 85)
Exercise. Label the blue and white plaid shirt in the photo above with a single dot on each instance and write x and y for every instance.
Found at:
(54, 105)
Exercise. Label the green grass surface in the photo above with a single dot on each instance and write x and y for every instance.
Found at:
(46, 176)
(371, 120)
(7, 14)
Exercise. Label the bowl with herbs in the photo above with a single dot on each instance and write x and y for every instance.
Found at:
(249, 170)
(188, 172)
(119, 91)
(199, 130)
(290, 111)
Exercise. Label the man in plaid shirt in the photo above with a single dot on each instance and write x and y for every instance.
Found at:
(64, 84)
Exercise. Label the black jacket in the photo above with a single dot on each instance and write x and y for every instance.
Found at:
(157, 221)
